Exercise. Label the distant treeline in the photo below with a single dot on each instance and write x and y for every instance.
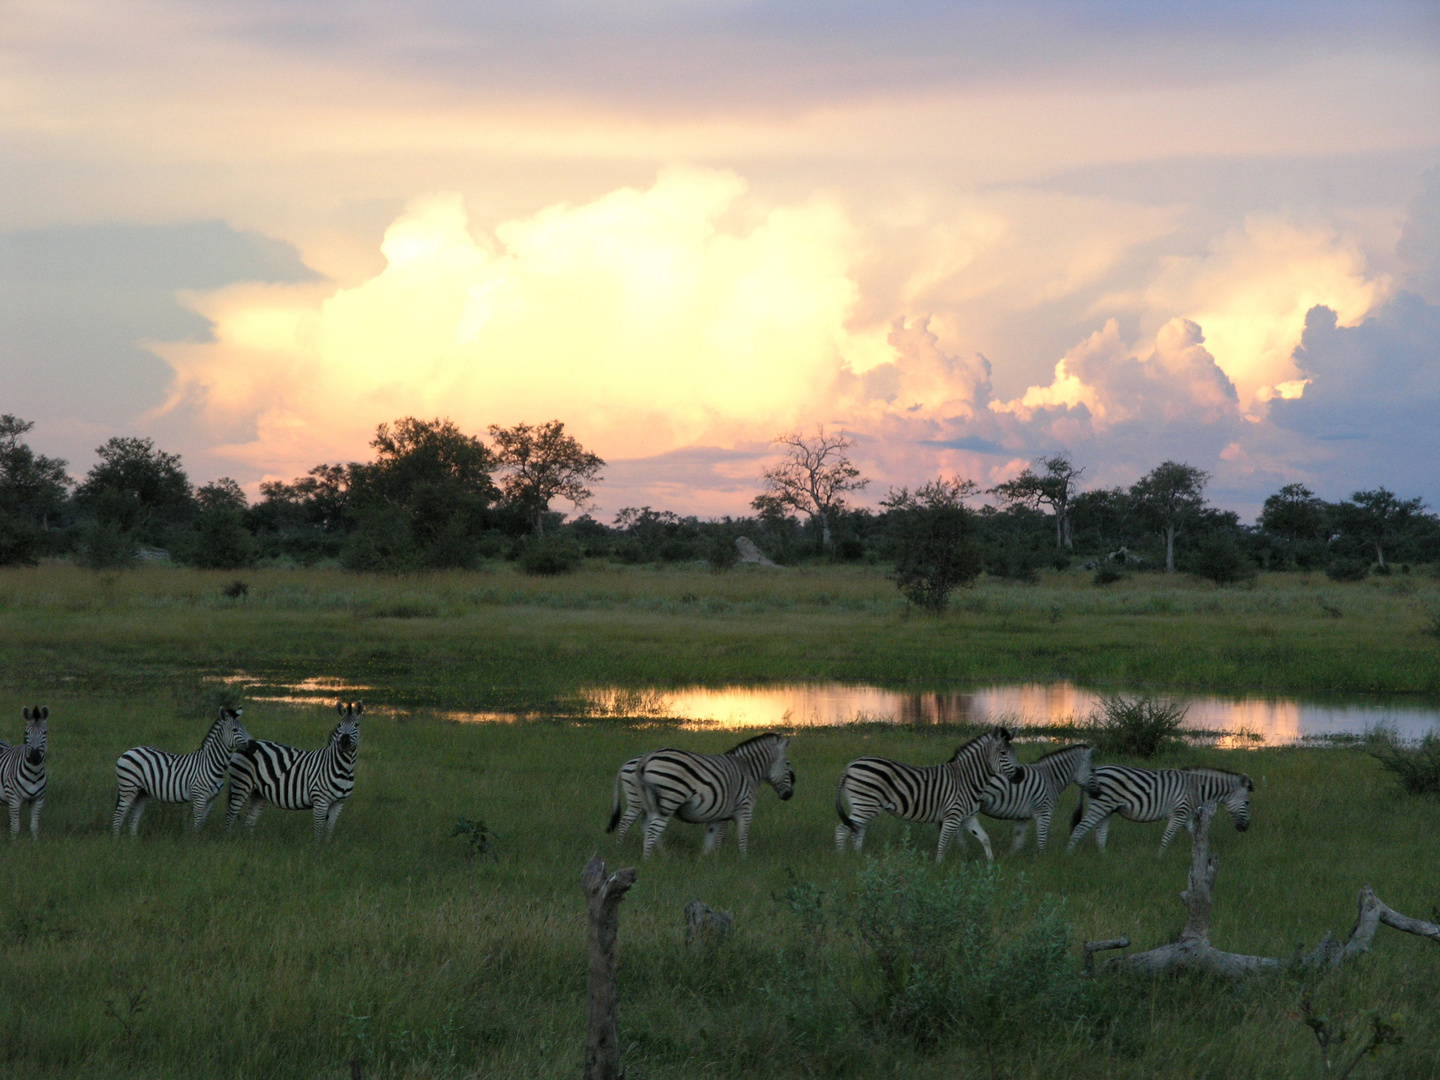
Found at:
(434, 497)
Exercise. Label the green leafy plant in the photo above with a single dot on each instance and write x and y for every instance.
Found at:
(1380, 1031)
(1418, 766)
(1140, 728)
(550, 555)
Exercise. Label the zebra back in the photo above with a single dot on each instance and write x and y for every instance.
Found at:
(22, 767)
(988, 755)
(293, 779)
(1038, 784)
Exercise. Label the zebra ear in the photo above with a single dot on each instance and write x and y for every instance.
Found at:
(44, 712)
(358, 708)
(25, 712)
(340, 707)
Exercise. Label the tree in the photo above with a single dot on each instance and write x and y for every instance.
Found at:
(812, 479)
(32, 492)
(220, 538)
(541, 463)
(1168, 497)
(137, 489)
(1378, 516)
(1054, 487)
(1294, 514)
(932, 536)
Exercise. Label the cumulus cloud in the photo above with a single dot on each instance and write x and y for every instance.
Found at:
(639, 318)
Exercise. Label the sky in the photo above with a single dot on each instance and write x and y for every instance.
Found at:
(966, 236)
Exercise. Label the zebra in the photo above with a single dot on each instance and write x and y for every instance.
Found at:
(22, 771)
(145, 773)
(1034, 791)
(1151, 794)
(294, 779)
(949, 794)
(712, 789)
(629, 802)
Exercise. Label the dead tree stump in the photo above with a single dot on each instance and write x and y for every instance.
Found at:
(705, 925)
(602, 896)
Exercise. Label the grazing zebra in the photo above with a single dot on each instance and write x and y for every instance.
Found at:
(22, 771)
(1034, 790)
(712, 789)
(629, 799)
(1151, 794)
(948, 793)
(295, 779)
(146, 773)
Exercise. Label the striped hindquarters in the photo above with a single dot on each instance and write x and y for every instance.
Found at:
(913, 792)
(693, 787)
(167, 777)
(290, 778)
(1137, 794)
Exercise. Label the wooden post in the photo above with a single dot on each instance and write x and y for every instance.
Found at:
(603, 895)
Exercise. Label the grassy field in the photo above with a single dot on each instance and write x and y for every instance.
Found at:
(182, 956)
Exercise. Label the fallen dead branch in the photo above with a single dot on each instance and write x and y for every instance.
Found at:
(1193, 948)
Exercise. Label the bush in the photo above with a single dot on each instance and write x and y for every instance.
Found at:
(220, 541)
(931, 539)
(722, 554)
(1220, 559)
(1108, 574)
(1418, 767)
(1347, 570)
(107, 547)
(381, 545)
(1140, 728)
(550, 555)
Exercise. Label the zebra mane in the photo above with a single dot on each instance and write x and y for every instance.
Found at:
(983, 735)
(1220, 774)
(215, 725)
(1062, 750)
(768, 735)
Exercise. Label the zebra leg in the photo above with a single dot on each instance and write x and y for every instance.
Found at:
(972, 823)
(948, 828)
(841, 835)
(1096, 815)
(202, 807)
(1022, 829)
(1171, 828)
(742, 824)
(332, 817)
(1103, 832)
(15, 815)
(715, 835)
(136, 809)
(1042, 828)
(654, 828)
(35, 808)
(122, 808)
(252, 814)
(319, 809)
(631, 813)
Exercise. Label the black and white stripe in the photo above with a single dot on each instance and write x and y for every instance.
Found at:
(949, 794)
(294, 779)
(1151, 794)
(712, 789)
(629, 801)
(1033, 792)
(144, 773)
(22, 771)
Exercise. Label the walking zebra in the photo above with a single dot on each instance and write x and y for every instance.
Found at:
(294, 779)
(1151, 794)
(948, 793)
(1034, 790)
(712, 789)
(629, 799)
(147, 773)
(22, 771)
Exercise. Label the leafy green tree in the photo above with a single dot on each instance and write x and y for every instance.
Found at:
(1169, 497)
(540, 463)
(137, 490)
(1054, 486)
(812, 479)
(33, 489)
(1294, 513)
(933, 541)
(220, 538)
(1378, 517)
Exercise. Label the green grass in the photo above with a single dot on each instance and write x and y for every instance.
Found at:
(271, 957)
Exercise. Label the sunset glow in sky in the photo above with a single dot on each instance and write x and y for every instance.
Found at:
(966, 235)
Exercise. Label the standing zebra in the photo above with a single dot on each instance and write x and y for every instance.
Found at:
(22, 771)
(1034, 790)
(1151, 794)
(147, 773)
(712, 789)
(295, 779)
(948, 793)
(629, 799)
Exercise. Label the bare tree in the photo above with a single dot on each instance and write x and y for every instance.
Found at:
(541, 462)
(1054, 487)
(1168, 496)
(812, 478)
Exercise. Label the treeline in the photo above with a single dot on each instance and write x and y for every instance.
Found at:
(434, 497)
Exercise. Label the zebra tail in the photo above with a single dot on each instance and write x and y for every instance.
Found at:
(1079, 811)
(617, 810)
(844, 817)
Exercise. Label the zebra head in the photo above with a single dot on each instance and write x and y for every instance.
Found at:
(346, 736)
(1238, 801)
(1084, 765)
(35, 733)
(233, 735)
(780, 774)
(1000, 754)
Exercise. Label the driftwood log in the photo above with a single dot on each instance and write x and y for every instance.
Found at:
(603, 894)
(1193, 949)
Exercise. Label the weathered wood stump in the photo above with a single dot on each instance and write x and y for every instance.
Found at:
(705, 925)
(603, 894)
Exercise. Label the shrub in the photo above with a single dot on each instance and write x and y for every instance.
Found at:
(1140, 728)
(1108, 574)
(107, 547)
(931, 539)
(1220, 559)
(550, 555)
(1418, 767)
(382, 544)
(722, 554)
(1347, 570)
(220, 541)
